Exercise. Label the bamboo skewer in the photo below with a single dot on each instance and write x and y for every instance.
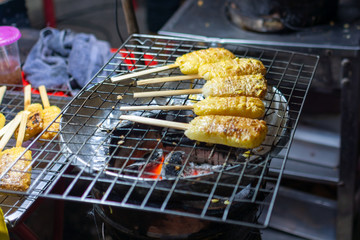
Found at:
(22, 128)
(232, 131)
(155, 122)
(10, 131)
(143, 72)
(27, 96)
(166, 107)
(167, 79)
(2, 93)
(167, 93)
(44, 96)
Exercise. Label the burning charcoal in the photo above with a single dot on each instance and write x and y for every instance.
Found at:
(193, 169)
(173, 164)
(136, 141)
(150, 167)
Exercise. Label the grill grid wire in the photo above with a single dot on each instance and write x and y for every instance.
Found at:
(15, 204)
(90, 121)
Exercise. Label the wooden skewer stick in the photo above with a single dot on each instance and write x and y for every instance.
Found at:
(143, 72)
(167, 79)
(27, 96)
(44, 96)
(167, 93)
(2, 93)
(167, 107)
(10, 131)
(155, 122)
(5, 128)
(22, 128)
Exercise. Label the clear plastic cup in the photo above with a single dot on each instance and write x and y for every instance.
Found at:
(10, 68)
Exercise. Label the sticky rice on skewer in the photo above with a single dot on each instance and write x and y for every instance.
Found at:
(241, 106)
(246, 85)
(232, 131)
(17, 174)
(49, 114)
(34, 124)
(188, 63)
(222, 69)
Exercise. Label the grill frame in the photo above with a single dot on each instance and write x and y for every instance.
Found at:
(289, 72)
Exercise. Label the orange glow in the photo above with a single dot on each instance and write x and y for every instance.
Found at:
(153, 170)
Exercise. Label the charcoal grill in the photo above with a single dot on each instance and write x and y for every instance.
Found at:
(105, 161)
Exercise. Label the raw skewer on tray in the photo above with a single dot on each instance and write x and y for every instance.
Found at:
(34, 124)
(188, 63)
(49, 114)
(15, 163)
(232, 131)
(246, 85)
(241, 106)
(221, 69)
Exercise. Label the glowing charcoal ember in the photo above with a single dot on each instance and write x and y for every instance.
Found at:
(147, 168)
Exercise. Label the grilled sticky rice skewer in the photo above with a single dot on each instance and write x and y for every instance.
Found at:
(241, 106)
(246, 85)
(188, 63)
(221, 69)
(34, 124)
(49, 114)
(17, 174)
(232, 131)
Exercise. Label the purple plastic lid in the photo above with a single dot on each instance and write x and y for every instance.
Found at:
(9, 35)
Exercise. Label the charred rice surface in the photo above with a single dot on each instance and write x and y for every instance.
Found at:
(231, 68)
(189, 63)
(18, 178)
(228, 130)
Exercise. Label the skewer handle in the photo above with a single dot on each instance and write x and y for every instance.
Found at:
(2, 93)
(22, 128)
(44, 96)
(5, 128)
(173, 107)
(167, 79)
(167, 93)
(143, 72)
(155, 122)
(27, 96)
(10, 131)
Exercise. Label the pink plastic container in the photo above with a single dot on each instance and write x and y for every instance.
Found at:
(10, 68)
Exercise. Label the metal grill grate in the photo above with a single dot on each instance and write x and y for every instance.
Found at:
(15, 205)
(109, 162)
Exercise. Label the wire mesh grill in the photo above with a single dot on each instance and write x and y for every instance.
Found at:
(15, 204)
(101, 160)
